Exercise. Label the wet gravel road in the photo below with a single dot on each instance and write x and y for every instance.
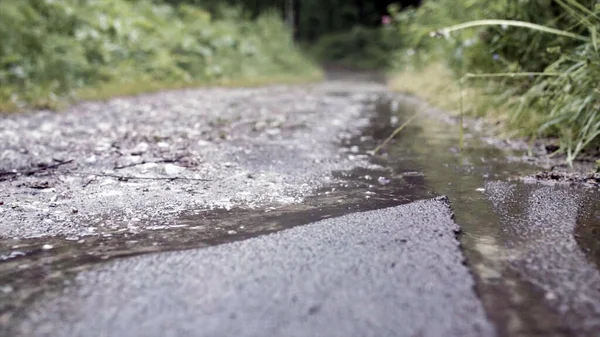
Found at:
(273, 184)
(136, 163)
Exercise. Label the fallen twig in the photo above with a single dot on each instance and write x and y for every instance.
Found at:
(31, 172)
(126, 178)
(162, 161)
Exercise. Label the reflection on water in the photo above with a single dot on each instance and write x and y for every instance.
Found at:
(587, 232)
(518, 238)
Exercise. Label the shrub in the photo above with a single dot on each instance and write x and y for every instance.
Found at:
(543, 77)
(361, 48)
(51, 49)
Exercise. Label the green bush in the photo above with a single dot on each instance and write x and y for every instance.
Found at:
(51, 49)
(544, 77)
(360, 48)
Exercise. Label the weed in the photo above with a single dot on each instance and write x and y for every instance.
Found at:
(536, 62)
(79, 48)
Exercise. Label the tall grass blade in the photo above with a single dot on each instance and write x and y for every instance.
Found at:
(396, 131)
(511, 23)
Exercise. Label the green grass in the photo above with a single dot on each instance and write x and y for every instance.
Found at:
(535, 65)
(130, 88)
(53, 52)
(436, 84)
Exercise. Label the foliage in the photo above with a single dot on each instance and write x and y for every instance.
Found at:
(323, 17)
(360, 48)
(544, 80)
(51, 49)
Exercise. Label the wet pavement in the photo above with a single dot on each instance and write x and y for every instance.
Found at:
(519, 235)
(532, 248)
(336, 277)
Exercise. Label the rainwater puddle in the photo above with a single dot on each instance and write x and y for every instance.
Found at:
(587, 232)
(492, 206)
(533, 248)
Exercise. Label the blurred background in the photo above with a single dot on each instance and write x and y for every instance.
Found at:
(536, 81)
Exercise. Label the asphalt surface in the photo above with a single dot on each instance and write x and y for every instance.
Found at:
(391, 272)
(538, 242)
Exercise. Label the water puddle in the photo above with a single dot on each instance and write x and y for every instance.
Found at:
(422, 162)
(518, 238)
(587, 232)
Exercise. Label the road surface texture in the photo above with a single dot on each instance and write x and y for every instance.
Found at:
(135, 163)
(236, 172)
(539, 223)
(391, 272)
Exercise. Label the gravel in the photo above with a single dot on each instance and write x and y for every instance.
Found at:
(129, 163)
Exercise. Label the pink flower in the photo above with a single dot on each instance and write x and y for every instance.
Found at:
(386, 20)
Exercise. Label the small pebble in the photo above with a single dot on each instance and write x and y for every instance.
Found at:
(480, 189)
(47, 247)
(383, 180)
(12, 255)
(6, 289)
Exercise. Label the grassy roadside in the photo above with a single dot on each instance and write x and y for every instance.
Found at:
(437, 85)
(434, 83)
(530, 68)
(56, 52)
(141, 86)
